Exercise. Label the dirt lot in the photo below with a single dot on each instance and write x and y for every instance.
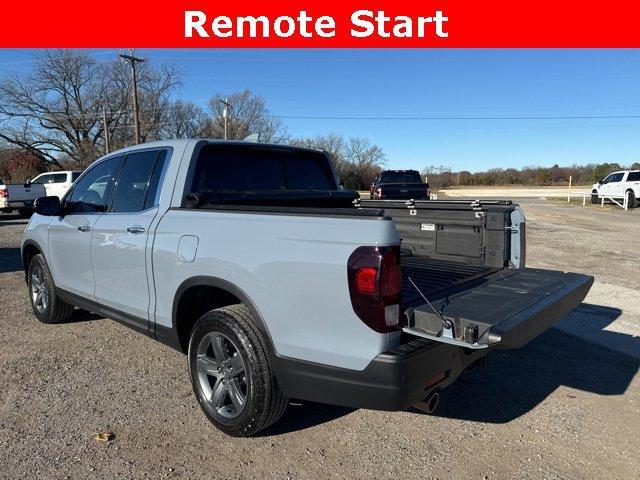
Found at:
(514, 191)
(565, 406)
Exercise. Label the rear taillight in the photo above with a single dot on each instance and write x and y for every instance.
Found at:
(4, 193)
(375, 285)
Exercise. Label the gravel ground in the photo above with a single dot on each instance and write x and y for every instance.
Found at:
(565, 406)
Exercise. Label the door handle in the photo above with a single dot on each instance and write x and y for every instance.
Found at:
(84, 228)
(135, 229)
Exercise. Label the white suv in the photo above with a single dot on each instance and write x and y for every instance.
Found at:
(618, 185)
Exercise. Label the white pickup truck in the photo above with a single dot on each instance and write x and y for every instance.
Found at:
(19, 197)
(618, 185)
(277, 284)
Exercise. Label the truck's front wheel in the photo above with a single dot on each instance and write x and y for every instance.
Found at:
(231, 374)
(46, 305)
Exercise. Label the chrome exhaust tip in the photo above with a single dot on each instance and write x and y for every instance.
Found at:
(429, 404)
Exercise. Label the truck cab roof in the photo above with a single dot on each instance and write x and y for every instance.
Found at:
(182, 143)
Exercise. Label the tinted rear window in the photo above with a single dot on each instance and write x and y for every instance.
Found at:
(240, 168)
(400, 177)
(633, 177)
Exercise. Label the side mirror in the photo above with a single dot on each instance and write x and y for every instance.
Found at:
(27, 184)
(600, 182)
(341, 184)
(47, 206)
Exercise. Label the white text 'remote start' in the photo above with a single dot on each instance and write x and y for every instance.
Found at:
(363, 24)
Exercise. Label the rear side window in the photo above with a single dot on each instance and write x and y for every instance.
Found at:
(633, 177)
(137, 185)
(240, 168)
(58, 177)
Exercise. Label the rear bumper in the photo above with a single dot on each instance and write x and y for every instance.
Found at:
(9, 204)
(394, 380)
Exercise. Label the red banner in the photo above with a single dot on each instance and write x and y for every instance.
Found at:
(348, 23)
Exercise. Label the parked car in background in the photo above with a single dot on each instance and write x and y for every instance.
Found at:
(399, 185)
(19, 197)
(249, 259)
(56, 184)
(618, 185)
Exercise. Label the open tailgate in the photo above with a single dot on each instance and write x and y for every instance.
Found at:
(506, 309)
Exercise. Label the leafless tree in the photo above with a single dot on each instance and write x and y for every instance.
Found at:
(248, 115)
(55, 109)
(184, 120)
(363, 162)
(356, 160)
(333, 144)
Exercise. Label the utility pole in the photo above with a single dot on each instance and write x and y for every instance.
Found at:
(105, 129)
(132, 60)
(225, 108)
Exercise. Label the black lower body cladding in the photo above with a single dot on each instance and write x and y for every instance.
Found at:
(394, 380)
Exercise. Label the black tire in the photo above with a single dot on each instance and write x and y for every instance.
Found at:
(632, 200)
(264, 401)
(25, 213)
(594, 198)
(53, 310)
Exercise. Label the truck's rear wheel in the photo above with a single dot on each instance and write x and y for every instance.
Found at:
(46, 305)
(231, 374)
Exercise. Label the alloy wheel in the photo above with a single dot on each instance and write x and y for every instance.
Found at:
(39, 294)
(222, 375)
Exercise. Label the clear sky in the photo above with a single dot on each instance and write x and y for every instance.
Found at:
(384, 89)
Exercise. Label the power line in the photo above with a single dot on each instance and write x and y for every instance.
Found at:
(399, 117)
(469, 118)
